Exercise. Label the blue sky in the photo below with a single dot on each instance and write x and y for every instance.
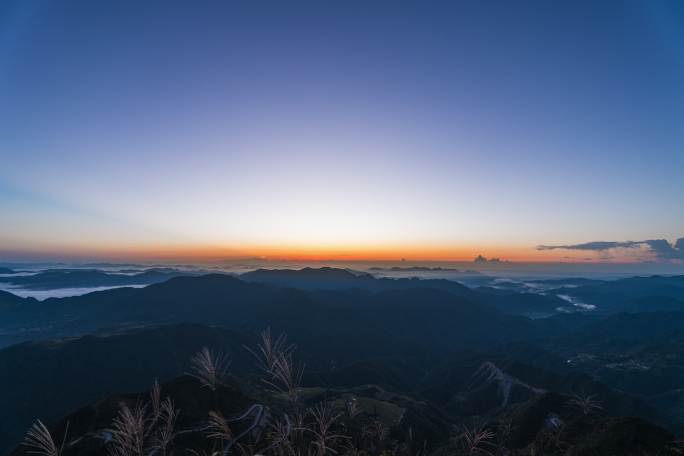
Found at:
(338, 127)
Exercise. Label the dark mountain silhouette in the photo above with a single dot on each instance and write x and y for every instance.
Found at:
(50, 379)
(546, 422)
(88, 424)
(521, 303)
(625, 331)
(468, 383)
(426, 269)
(312, 278)
(422, 354)
(572, 281)
(640, 294)
(247, 408)
(341, 279)
(85, 278)
(9, 301)
(407, 313)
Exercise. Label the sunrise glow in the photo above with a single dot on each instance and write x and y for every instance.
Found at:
(337, 142)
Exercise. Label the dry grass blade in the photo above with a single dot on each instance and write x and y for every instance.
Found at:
(155, 397)
(324, 416)
(324, 419)
(280, 433)
(477, 440)
(168, 414)
(129, 432)
(275, 358)
(210, 368)
(585, 403)
(286, 376)
(39, 439)
(268, 351)
(218, 427)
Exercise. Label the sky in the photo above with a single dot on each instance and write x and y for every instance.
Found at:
(530, 131)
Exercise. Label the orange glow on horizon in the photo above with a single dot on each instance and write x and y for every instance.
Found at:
(306, 253)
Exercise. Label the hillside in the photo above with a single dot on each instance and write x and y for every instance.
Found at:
(249, 408)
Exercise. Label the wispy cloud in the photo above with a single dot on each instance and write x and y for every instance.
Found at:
(660, 248)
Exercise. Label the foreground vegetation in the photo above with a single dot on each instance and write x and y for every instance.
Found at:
(209, 412)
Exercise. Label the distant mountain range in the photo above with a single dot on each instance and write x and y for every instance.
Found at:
(425, 269)
(333, 296)
(87, 278)
(634, 294)
(436, 352)
(406, 308)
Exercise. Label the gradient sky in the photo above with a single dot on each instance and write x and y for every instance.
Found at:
(339, 129)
